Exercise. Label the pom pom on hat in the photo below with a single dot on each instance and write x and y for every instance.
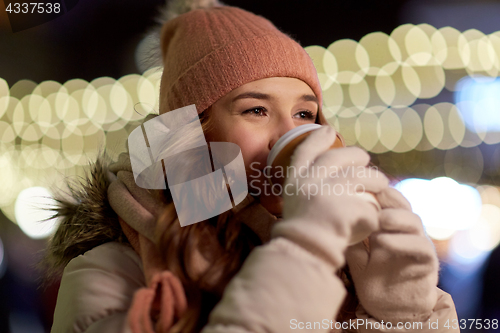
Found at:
(175, 8)
(150, 54)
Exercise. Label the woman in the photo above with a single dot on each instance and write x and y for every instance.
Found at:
(130, 266)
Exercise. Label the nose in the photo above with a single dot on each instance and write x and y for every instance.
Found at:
(284, 126)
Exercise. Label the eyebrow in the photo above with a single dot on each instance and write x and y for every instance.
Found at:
(257, 95)
(309, 98)
(252, 94)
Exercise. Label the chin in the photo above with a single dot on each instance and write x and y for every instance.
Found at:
(273, 204)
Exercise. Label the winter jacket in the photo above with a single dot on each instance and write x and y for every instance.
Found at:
(97, 289)
(280, 288)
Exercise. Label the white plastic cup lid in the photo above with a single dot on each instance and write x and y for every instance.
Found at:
(287, 137)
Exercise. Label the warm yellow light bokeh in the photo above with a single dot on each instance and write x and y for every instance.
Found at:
(370, 89)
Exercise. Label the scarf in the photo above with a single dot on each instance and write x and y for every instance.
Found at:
(138, 211)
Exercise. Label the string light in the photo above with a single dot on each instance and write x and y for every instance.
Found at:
(433, 126)
(366, 130)
(390, 129)
(418, 47)
(445, 110)
(333, 99)
(385, 87)
(383, 52)
(4, 96)
(359, 94)
(442, 202)
(352, 61)
(412, 129)
(32, 214)
(410, 63)
(7, 133)
(22, 88)
(486, 233)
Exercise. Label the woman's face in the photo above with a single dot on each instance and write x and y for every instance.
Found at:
(254, 116)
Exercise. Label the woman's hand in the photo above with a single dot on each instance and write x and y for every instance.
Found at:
(397, 279)
(321, 208)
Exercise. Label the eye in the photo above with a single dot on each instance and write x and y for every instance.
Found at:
(256, 112)
(305, 115)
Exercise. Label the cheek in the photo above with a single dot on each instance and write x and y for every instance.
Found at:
(252, 139)
(253, 145)
(254, 150)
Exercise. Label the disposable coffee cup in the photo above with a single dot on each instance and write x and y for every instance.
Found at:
(279, 159)
(280, 155)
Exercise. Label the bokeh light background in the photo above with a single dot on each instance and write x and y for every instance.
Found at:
(423, 99)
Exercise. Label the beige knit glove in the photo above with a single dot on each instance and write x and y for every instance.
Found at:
(397, 280)
(321, 209)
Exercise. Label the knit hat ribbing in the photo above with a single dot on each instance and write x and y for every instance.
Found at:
(209, 52)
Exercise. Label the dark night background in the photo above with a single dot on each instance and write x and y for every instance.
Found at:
(97, 38)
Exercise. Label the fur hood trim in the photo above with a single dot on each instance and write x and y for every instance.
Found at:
(86, 218)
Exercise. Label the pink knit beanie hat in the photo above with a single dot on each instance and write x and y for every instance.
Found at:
(209, 52)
